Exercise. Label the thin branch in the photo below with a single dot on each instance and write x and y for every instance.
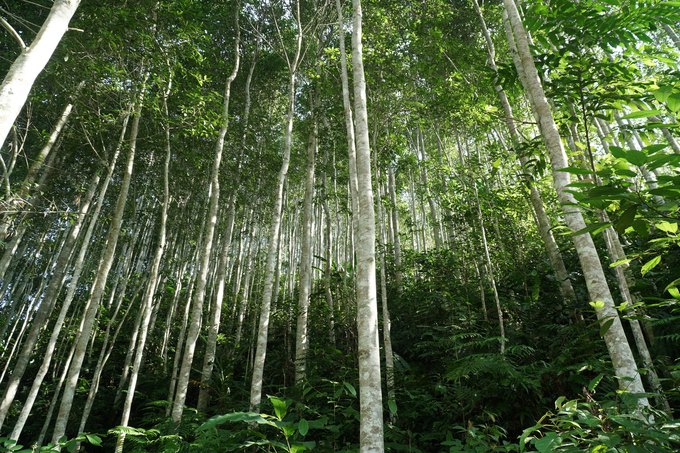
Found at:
(14, 33)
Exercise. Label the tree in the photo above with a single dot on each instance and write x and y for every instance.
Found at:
(22, 74)
(371, 436)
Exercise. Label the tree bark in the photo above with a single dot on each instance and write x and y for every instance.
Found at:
(370, 392)
(100, 282)
(301, 341)
(199, 294)
(29, 64)
(47, 305)
(617, 344)
(272, 252)
(542, 219)
(146, 307)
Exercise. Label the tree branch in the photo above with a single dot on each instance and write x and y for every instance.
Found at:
(14, 33)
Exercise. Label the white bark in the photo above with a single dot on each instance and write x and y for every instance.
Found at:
(199, 294)
(542, 219)
(29, 179)
(301, 340)
(370, 392)
(100, 282)
(395, 227)
(29, 64)
(617, 344)
(146, 307)
(261, 352)
(48, 303)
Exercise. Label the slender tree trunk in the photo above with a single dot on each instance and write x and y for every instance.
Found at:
(426, 189)
(47, 305)
(100, 282)
(29, 64)
(146, 307)
(301, 341)
(542, 219)
(30, 177)
(371, 424)
(107, 349)
(387, 323)
(328, 253)
(261, 352)
(199, 295)
(185, 321)
(617, 344)
(489, 264)
(395, 226)
(349, 123)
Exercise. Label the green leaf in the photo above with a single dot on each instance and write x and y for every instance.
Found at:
(570, 407)
(598, 304)
(672, 284)
(659, 160)
(620, 262)
(94, 439)
(280, 407)
(71, 445)
(667, 227)
(651, 149)
(662, 93)
(593, 228)
(605, 327)
(617, 152)
(547, 443)
(673, 291)
(303, 427)
(297, 448)
(575, 171)
(641, 227)
(351, 389)
(248, 417)
(287, 427)
(595, 382)
(641, 114)
(626, 219)
(651, 264)
(393, 406)
(665, 192)
(673, 102)
(636, 157)
(606, 191)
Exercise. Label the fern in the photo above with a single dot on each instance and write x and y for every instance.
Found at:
(673, 338)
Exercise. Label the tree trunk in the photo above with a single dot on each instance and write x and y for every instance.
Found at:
(29, 64)
(199, 294)
(301, 341)
(46, 307)
(617, 344)
(542, 219)
(371, 424)
(261, 352)
(100, 281)
(146, 307)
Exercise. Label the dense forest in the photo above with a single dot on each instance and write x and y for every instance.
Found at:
(378, 225)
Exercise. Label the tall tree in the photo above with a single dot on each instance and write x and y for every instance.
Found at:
(615, 338)
(22, 74)
(370, 389)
